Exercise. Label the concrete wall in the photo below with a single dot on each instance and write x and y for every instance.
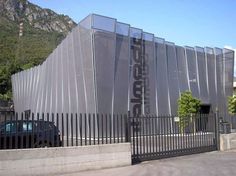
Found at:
(54, 161)
(227, 141)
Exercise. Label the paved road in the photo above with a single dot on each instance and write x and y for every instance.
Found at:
(205, 164)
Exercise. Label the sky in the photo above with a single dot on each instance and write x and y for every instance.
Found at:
(185, 22)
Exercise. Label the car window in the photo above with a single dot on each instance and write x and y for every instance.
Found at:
(27, 126)
(9, 127)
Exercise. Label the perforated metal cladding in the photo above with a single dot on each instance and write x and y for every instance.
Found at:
(173, 80)
(202, 75)
(211, 66)
(221, 104)
(192, 71)
(104, 66)
(228, 61)
(149, 78)
(121, 74)
(104, 60)
(182, 68)
(162, 79)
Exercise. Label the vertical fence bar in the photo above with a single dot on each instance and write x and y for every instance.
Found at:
(156, 134)
(37, 130)
(71, 124)
(142, 134)
(161, 131)
(21, 143)
(32, 132)
(217, 136)
(48, 131)
(67, 129)
(53, 130)
(158, 121)
(102, 129)
(133, 136)
(153, 135)
(110, 127)
(27, 130)
(200, 129)
(62, 125)
(94, 130)
(172, 137)
(85, 123)
(168, 134)
(90, 128)
(196, 133)
(80, 129)
(98, 122)
(175, 134)
(76, 129)
(145, 134)
(127, 128)
(149, 131)
(209, 130)
(5, 131)
(17, 134)
(114, 128)
(204, 130)
(122, 129)
(186, 136)
(192, 133)
(118, 124)
(164, 136)
(136, 129)
(106, 129)
(59, 137)
(11, 131)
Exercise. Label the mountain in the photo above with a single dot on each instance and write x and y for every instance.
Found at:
(35, 16)
(28, 34)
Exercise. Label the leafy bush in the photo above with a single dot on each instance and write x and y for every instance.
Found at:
(187, 107)
(232, 104)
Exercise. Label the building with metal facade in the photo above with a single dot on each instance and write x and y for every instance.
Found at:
(104, 66)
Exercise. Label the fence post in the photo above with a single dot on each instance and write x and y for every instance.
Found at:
(217, 135)
(127, 128)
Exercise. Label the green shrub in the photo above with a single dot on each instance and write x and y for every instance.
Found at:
(187, 107)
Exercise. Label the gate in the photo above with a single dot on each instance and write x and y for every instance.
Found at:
(156, 137)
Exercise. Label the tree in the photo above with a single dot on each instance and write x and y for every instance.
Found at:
(232, 104)
(187, 107)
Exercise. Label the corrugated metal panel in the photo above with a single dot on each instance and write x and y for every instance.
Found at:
(104, 66)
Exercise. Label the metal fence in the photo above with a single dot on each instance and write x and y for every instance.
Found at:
(155, 137)
(151, 137)
(60, 130)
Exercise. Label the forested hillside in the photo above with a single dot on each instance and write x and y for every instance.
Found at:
(42, 30)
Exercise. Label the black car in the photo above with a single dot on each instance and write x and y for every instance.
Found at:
(28, 134)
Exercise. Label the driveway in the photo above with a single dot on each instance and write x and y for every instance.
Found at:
(205, 164)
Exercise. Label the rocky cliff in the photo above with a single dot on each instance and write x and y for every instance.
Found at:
(37, 17)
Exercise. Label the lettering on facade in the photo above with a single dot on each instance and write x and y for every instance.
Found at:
(140, 88)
